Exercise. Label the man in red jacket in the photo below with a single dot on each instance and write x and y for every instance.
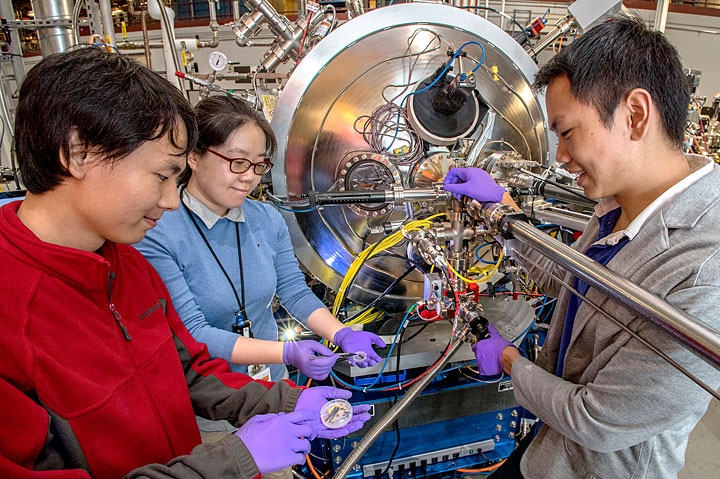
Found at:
(98, 375)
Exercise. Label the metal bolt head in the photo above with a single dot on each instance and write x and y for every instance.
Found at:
(497, 438)
(514, 413)
(356, 467)
(513, 424)
(500, 416)
(338, 459)
(353, 444)
(498, 427)
(336, 448)
(511, 435)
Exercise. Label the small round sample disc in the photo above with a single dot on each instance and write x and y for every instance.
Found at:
(336, 413)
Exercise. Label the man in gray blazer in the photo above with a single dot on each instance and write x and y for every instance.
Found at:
(609, 407)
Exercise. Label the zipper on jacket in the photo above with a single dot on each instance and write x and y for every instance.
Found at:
(114, 311)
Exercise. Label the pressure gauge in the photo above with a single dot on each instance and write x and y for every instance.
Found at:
(218, 61)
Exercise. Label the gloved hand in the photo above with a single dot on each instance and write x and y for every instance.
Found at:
(298, 353)
(352, 341)
(277, 441)
(315, 398)
(488, 353)
(475, 183)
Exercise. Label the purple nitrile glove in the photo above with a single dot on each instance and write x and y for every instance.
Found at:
(298, 353)
(277, 441)
(475, 183)
(488, 353)
(352, 341)
(360, 415)
(315, 398)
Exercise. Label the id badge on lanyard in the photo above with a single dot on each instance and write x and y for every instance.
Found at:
(242, 325)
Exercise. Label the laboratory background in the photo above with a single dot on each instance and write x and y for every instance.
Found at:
(372, 103)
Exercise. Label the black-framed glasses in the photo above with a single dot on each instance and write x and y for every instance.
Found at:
(241, 165)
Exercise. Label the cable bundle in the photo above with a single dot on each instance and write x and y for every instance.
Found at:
(390, 120)
(374, 249)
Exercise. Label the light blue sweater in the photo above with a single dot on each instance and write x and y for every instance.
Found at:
(199, 290)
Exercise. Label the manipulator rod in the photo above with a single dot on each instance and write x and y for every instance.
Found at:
(696, 336)
(397, 196)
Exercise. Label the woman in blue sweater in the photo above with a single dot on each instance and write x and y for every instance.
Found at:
(224, 257)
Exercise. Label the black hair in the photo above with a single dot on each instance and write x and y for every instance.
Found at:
(218, 117)
(111, 101)
(612, 59)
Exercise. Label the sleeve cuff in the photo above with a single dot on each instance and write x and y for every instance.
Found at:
(245, 462)
(291, 399)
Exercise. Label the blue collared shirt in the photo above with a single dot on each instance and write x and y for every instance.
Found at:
(602, 252)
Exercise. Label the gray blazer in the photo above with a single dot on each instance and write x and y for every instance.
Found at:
(620, 411)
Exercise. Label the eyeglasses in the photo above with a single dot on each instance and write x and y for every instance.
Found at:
(241, 165)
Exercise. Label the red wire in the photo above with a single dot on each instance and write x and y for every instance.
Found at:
(302, 42)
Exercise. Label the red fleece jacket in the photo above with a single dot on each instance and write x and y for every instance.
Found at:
(98, 375)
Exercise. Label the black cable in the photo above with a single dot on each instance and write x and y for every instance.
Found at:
(13, 164)
(559, 185)
(397, 379)
(415, 334)
(383, 294)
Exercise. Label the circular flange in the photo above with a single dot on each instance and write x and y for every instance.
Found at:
(367, 171)
(431, 170)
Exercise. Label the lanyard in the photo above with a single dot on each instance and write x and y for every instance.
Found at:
(241, 304)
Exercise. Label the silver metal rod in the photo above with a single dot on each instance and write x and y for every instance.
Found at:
(386, 421)
(632, 333)
(236, 10)
(566, 218)
(167, 27)
(76, 21)
(7, 12)
(700, 338)
(107, 21)
(214, 27)
(661, 14)
(146, 38)
(53, 39)
(562, 28)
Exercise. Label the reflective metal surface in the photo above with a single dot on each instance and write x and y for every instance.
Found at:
(53, 39)
(343, 78)
(511, 318)
(701, 338)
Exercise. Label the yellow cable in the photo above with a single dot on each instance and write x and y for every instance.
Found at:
(376, 248)
(487, 275)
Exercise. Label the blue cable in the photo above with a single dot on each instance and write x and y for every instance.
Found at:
(101, 44)
(457, 53)
(295, 211)
(477, 256)
(482, 59)
(544, 20)
(387, 386)
(546, 16)
(392, 346)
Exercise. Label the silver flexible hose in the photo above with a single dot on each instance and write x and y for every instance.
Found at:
(386, 421)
